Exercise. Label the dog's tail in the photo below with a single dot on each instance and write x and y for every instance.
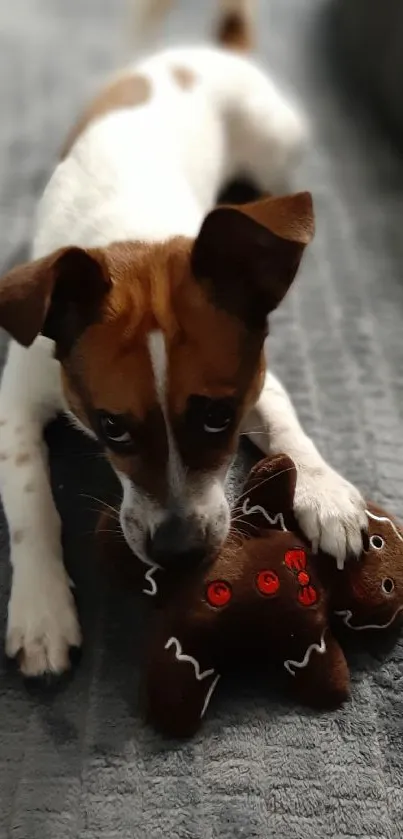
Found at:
(234, 27)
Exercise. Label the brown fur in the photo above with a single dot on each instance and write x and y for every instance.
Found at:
(154, 289)
(184, 77)
(235, 32)
(126, 92)
(22, 458)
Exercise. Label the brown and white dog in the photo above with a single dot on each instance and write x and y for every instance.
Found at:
(143, 315)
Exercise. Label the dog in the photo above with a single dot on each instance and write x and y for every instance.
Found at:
(143, 316)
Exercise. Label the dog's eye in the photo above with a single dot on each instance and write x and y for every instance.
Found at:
(218, 416)
(114, 430)
(211, 416)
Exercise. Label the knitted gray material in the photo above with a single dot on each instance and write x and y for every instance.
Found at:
(78, 761)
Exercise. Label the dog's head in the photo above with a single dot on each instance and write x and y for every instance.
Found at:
(160, 346)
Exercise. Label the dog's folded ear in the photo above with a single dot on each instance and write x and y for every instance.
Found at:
(248, 255)
(57, 295)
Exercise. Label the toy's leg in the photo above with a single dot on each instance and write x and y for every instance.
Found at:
(330, 511)
(42, 620)
(180, 678)
(320, 677)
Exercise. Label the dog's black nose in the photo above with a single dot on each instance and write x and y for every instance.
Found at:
(176, 541)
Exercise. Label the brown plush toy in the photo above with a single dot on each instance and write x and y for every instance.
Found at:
(266, 600)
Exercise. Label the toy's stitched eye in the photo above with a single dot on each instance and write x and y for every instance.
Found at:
(267, 582)
(377, 542)
(218, 593)
(388, 585)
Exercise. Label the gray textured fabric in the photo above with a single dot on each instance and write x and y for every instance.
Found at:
(78, 761)
(371, 35)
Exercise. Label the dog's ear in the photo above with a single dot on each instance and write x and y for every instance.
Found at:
(248, 256)
(57, 295)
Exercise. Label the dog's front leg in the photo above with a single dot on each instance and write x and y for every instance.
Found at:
(329, 509)
(42, 620)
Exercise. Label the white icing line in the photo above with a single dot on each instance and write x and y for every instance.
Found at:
(388, 521)
(180, 656)
(209, 695)
(258, 509)
(347, 615)
(319, 648)
(153, 590)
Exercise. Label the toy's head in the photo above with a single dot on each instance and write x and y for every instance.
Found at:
(368, 595)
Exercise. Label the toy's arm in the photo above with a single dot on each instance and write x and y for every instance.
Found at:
(180, 681)
(320, 673)
(121, 564)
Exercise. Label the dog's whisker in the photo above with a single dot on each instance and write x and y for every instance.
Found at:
(100, 501)
(256, 428)
(118, 535)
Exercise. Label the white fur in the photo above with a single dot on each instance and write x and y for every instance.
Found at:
(201, 498)
(159, 364)
(42, 620)
(148, 173)
(330, 511)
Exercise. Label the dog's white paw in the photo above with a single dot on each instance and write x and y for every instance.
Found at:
(330, 511)
(42, 622)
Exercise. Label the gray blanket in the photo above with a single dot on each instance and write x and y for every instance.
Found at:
(77, 761)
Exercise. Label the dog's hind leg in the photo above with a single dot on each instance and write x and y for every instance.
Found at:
(267, 133)
(42, 620)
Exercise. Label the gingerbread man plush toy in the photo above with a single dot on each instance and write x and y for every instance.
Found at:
(266, 600)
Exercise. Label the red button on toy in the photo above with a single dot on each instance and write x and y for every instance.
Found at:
(218, 593)
(307, 596)
(303, 578)
(295, 559)
(267, 582)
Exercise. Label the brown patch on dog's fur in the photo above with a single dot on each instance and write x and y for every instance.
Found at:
(235, 32)
(110, 369)
(184, 77)
(127, 92)
(22, 458)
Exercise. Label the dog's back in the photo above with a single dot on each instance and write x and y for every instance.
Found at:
(148, 157)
